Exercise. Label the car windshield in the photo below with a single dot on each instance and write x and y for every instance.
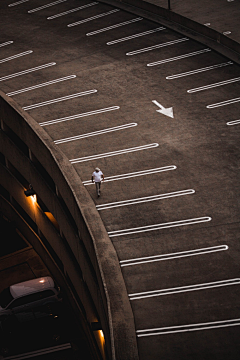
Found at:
(5, 297)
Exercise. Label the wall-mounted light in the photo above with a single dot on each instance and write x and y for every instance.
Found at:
(29, 192)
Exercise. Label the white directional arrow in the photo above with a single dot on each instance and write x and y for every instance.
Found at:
(163, 110)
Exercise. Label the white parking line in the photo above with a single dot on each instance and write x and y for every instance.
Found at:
(46, 6)
(6, 43)
(171, 256)
(113, 26)
(235, 122)
(181, 289)
(41, 85)
(27, 71)
(187, 328)
(53, 101)
(223, 103)
(156, 46)
(114, 153)
(40, 352)
(145, 199)
(159, 226)
(135, 35)
(16, 56)
(197, 71)
(93, 18)
(99, 132)
(178, 57)
(72, 117)
(72, 10)
(210, 86)
(17, 3)
(134, 174)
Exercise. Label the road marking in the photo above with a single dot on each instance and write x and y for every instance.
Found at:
(199, 70)
(135, 35)
(17, 3)
(159, 226)
(27, 71)
(178, 57)
(235, 122)
(16, 56)
(6, 43)
(114, 153)
(41, 85)
(165, 111)
(223, 103)
(221, 83)
(144, 199)
(181, 289)
(72, 10)
(176, 255)
(94, 112)
(134, 174)
(93, 18)
(99, 132)
(156, 46)
(113, 26)
(46, 6)
(40, 352)
(190, 327)
(53, 101)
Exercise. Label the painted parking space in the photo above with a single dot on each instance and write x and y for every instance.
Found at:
(146, 155)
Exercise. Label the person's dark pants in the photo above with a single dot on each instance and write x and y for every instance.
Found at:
(98, 185)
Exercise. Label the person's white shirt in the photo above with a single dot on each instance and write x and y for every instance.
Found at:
(97, 176)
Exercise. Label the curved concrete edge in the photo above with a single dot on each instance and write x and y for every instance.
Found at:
(201, 33)
(113, 290)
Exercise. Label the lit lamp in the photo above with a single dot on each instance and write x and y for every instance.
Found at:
(30, 192)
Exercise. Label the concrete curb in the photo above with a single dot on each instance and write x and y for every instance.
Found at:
(201, 33)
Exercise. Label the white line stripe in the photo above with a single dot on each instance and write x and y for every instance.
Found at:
(41, 85)
(114, 153)
(113, 26)
(223, 103)
(221, 83)
(235, 122)
(186, 328)
(6, 43)
(171, 256)
(145, 199)
(40, 352)
(198, 70)
(93, 18)
(50, 122)
(27, 71)
(178, 57)
(159, 226)
(53, 101)
(72, 10)
(156, 46)
(181, 289)
(134, 174)
(99, 132)
(16, 56)
(17, 3)
(46, 6)
(135, 36)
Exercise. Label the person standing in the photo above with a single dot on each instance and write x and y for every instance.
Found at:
(97, 177)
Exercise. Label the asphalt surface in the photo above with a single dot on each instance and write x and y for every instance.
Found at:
(220, 15)
(172, 183)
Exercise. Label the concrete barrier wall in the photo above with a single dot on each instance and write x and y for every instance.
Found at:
(91, 245)
(208, 36)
